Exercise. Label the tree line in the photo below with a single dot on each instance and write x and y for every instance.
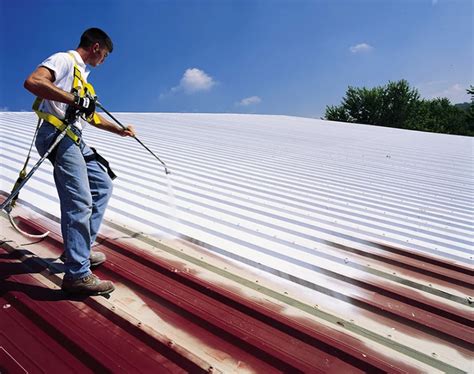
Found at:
(399, 105)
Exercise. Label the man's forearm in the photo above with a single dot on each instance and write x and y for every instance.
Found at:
(112, 127)
(107, 125)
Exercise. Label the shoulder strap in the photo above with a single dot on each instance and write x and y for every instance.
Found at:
(80, 87)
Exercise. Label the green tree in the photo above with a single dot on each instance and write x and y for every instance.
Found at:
(390, 105)
(439, 115)
(398, 105)
(470, 112)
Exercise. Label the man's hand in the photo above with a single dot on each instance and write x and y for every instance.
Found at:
(129, 131)
(85, 105)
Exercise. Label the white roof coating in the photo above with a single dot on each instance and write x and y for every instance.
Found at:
(301, 199)
(275, 187)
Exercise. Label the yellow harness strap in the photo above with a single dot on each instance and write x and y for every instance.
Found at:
(81, 88)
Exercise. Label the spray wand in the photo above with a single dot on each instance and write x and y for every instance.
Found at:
(97, 103)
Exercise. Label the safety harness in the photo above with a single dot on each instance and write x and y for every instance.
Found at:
(79, 87)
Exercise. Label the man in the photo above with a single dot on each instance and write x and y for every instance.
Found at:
(84, 188)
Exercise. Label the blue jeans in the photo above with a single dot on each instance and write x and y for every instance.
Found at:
(84, 190)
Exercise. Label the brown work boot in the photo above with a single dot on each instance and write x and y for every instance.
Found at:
(88, 285)
(95, 258)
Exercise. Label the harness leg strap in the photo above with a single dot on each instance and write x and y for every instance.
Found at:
(101, 160)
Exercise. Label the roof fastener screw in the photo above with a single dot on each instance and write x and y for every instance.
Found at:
(434, 354)
(139, 324)
(210, 370)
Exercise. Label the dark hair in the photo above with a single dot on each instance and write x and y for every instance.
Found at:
(95, 35)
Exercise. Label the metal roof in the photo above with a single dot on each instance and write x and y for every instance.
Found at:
(278, 244)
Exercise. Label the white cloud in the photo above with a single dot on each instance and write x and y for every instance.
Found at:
(194, 80)
(361, 48)
(252, 100)
(455, 92)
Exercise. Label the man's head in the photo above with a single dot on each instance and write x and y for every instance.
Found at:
(97, 45)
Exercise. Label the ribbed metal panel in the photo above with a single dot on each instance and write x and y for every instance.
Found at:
(363, 229)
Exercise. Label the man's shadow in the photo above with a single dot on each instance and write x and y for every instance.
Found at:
(30, 265)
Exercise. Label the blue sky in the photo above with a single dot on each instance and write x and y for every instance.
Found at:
(274, 56)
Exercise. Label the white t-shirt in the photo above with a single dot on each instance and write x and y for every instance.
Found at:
(62, 64)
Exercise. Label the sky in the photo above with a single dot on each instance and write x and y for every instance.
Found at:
(291, 57)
